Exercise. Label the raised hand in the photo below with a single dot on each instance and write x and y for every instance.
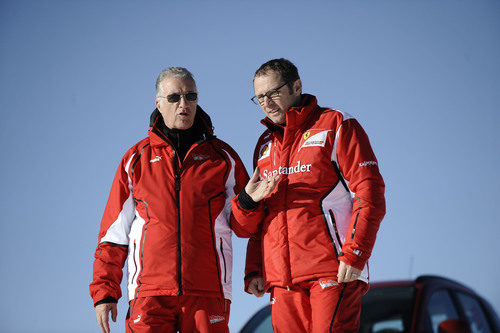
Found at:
(258, 188)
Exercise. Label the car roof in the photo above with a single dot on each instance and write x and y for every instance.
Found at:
(424, 280)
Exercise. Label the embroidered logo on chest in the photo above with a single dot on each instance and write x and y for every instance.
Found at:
(265, 151)
(156, 159)
(201, 157)
(313, 138)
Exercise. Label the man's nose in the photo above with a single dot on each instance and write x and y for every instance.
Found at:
(267, 101)
(183, 101)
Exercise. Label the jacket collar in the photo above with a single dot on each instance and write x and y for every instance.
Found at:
(202, 125)
(296, 116)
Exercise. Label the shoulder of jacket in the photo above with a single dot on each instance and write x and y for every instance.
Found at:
(265, 137)
(224, 146)
(137, 148)
(334, 117)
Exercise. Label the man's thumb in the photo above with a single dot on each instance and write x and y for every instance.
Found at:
(255, 176)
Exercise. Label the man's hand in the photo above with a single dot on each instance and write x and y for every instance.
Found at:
(258, 189)
(102, 314)
(256, 287)
(347, 273)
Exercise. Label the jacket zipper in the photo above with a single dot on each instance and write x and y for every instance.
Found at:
(357, 215)
(286, 162)
(143, 240)
(334, 224)
(223, 259)
(177, 199)
(177, 202)
(135, 263)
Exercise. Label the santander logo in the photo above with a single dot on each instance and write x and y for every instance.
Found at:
(299, 167)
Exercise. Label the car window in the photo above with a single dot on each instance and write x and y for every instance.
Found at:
(474, 313)
(386, 310)
(260, 322)
(440, 308)
(265, 326)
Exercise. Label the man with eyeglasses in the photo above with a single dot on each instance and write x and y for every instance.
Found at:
(169, 215)
(318, 225)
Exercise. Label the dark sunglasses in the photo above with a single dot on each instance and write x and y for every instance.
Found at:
(174, 98)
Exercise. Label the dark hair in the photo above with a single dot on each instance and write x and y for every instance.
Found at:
(283, 67)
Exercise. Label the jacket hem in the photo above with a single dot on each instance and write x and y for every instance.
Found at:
(185, 292)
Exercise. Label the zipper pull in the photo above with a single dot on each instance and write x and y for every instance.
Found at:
(177, 183)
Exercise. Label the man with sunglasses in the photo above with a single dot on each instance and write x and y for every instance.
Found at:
(169, 214)
(320, 221)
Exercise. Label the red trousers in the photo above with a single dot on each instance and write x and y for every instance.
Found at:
(320, 305)
(157, 314)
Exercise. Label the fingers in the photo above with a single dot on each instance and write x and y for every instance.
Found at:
(256, 287)
(102, 313)
(260, 287)
(253, 184)
(114, 312)
(259, 189)
(272, 183)
(342, 272)
(260, 284)
(350, 277)
(256, 175)
(347, 273)
(252, 287)
(102, 320)
(267, 185)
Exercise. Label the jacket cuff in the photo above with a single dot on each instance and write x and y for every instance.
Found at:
(251, 274)
(108, 299)
(353, 260)
(245, 201)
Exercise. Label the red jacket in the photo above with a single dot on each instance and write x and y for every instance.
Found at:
(172, 220)
(327, 205)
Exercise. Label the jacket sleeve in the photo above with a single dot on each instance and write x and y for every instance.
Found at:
(359, 167)
(113, 239)
(243, 222)
(253, 266)
(245, 219)
(254, 257)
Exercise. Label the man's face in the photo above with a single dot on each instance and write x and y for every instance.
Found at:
(275, 108)
(177, 115)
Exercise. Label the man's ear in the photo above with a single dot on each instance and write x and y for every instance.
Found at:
(157, 104)
(297, 87)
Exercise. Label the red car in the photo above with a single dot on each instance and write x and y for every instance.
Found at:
(427, 304)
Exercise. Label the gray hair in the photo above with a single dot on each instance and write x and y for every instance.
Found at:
(179, 72)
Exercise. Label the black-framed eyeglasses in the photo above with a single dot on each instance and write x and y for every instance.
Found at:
(271, 94)
(174, 98)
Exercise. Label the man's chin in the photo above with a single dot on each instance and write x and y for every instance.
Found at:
(278, 120)
(184, 125)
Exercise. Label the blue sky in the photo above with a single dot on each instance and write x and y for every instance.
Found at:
(77, 87)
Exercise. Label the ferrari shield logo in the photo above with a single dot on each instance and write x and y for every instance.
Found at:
(307, 135)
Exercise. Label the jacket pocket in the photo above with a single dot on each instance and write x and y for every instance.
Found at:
(223, 260)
